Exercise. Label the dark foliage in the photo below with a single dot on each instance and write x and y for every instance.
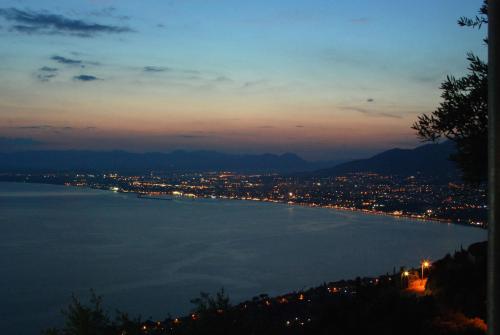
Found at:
(478, 21)
(462, 117)
(84, 319)
(459, 282)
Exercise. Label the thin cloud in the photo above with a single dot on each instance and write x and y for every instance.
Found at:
(46, 73)
(190, 136)
(394, 116)
(48, 69)
(67, 61)
(73, 62)
(85, 77)
(32, 22)
(186, 73)
(357, 109)
(44, 127)
(372, 113)
(299, 126)
(53, 129)
(155, 69)
(35, 127)
(44, 77)
(109, 12)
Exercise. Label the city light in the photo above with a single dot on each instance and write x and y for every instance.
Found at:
(425, 264)
(365, 192)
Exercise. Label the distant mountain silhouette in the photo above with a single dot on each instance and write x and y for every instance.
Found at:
(176, 161)
(430, 160)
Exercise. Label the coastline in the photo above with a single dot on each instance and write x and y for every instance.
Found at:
(156, 196)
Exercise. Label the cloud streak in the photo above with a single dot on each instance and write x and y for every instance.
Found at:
(109, 12)
(32, 22)
(48, 69)
(190, 136)
(85, 77)
(155, 69)
(372, 113)
(46, 73)
(67, 61)
(73, 62)
(44, 128)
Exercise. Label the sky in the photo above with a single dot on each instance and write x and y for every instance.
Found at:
(327, 80)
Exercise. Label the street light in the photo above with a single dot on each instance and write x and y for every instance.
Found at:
(425, 265)
(404, 276)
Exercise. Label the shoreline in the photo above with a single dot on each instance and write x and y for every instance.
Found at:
(152, 196)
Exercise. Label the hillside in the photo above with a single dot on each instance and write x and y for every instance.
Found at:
(430, 160)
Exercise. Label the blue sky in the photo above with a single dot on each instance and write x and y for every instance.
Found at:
(324, 79)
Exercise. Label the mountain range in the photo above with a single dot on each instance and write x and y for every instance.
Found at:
(430, 159)
(176, 161)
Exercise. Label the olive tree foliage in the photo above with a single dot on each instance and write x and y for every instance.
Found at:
(206, 304)
(462, 116)
(91, 319)
(83, 319)
(479, 20)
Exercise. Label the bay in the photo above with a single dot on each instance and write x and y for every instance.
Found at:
(152, 257)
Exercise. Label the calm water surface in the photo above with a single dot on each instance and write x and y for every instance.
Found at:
(151, 257)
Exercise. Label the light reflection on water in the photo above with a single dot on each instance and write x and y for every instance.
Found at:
(151, 257)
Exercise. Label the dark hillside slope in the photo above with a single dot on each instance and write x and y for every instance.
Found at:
(429, 159)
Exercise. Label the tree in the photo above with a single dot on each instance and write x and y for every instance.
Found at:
(205, 304)
(84, 319)
(462, 117)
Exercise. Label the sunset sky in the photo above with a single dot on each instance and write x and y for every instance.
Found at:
(333, 79)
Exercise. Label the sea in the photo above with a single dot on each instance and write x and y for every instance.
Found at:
(152, 257)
